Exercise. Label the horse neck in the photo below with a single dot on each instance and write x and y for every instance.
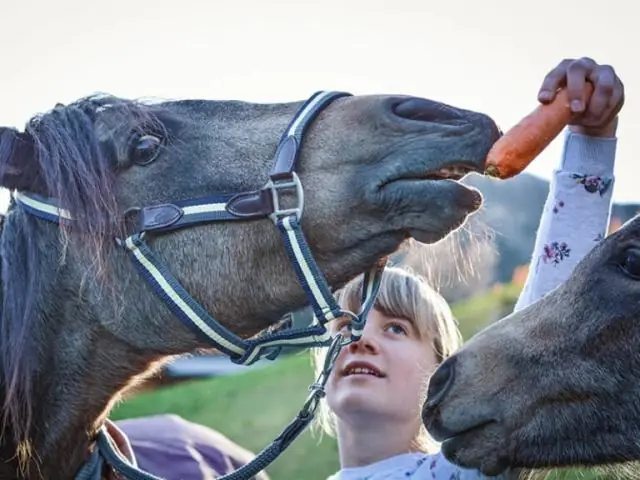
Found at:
(80, 370)
(71, 403)
(74, 394)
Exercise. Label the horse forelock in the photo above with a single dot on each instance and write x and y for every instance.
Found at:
(76, 166)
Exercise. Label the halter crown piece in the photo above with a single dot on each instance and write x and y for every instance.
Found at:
(251, 205)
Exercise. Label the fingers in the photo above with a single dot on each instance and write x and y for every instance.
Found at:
(615, 102)
(603, 94)
(578, 72)
(554, 80)
(605, 102)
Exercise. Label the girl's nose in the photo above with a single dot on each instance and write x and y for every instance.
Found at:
(368, 341)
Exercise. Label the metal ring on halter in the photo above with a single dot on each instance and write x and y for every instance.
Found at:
(354, 319)
(317, 387)
(274, 187)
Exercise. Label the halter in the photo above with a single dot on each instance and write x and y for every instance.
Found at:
(249, 205)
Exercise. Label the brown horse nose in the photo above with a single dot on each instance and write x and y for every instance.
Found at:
(440, 383)
(423, 110)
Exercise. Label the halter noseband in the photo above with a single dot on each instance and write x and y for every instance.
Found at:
(250, 205)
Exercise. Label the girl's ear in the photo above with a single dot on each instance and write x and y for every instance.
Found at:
(19, 167)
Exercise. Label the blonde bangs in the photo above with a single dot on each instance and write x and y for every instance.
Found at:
(402, 294)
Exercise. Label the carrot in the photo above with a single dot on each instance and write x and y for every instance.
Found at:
(521, 144)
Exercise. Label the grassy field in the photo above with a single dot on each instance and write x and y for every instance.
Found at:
(253, 407)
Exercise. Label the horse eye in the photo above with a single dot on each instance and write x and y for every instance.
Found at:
(630, 263)
(146, 149)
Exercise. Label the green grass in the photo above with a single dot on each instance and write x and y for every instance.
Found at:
(253, 407)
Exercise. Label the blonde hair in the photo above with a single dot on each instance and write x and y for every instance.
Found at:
(402, 294)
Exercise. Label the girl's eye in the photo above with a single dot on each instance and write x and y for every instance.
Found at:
(397, 329)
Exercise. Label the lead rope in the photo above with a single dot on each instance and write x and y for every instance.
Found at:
(299, 423)
(110, 454)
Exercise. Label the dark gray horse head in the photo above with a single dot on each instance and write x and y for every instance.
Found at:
(78, 322)
(555, 384)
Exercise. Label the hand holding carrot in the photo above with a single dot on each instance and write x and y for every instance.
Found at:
(579, 93)
(598, 117)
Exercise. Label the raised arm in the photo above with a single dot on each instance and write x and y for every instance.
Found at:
(577, 210)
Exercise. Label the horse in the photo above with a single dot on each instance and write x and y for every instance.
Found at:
(555, 384)
(141, 231)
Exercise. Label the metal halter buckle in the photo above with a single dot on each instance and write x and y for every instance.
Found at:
(275, 187)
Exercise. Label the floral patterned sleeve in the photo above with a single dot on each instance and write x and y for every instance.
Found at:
(576, 213)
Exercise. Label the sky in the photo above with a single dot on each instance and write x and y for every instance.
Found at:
(488, 55)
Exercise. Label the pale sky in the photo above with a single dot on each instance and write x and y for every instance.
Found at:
(486, 55)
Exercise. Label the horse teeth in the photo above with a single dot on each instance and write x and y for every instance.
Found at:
(453, 172)
(449, 171)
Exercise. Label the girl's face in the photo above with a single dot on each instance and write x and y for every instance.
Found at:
(384, 374)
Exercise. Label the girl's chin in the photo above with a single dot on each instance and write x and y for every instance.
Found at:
(361, 395)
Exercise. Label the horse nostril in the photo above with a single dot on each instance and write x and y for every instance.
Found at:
(440, 383)
(423, 110)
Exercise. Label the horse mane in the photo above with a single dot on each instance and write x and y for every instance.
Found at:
(61, 154)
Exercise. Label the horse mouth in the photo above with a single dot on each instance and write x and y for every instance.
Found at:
(431, 203)
(450, 171)
(451, 437)
(453, 172)
(462, 444)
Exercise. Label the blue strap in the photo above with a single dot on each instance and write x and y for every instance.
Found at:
(308, 112)
(38, 206)
(117, 461)
(196, 318)
(183, 305)
(370, 287)
(312, 281)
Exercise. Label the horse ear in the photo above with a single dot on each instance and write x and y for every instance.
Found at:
(19, 168)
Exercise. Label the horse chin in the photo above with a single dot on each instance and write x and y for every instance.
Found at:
(479, 449)
(428, 210)
(426, 237)
(429, 237)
